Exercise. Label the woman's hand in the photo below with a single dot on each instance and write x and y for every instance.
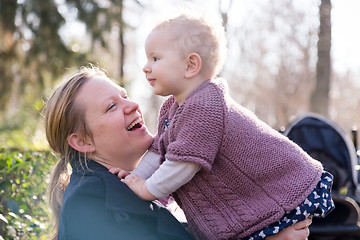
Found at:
(298, 231)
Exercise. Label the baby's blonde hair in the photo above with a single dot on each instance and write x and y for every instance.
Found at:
(199, 32)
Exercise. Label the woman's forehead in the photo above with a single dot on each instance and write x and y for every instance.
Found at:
(97, 90)
(104, 83)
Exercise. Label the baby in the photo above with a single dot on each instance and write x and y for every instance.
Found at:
(233, 175)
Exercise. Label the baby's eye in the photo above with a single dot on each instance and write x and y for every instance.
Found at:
(156, 59)
(125, 97)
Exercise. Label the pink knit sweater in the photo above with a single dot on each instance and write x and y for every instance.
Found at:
(251, 173)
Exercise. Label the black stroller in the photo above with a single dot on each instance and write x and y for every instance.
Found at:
(325, 141)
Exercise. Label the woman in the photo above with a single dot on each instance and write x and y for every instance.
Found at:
(92, 125)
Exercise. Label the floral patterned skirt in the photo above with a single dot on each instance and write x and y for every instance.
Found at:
(317, 204)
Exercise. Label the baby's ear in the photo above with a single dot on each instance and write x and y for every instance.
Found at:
(78, 143)
(194, 64)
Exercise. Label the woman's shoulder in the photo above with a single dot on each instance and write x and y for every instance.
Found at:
(105, 204)
(82, 187)
(99, 183)
(97, 192)
(85, 183)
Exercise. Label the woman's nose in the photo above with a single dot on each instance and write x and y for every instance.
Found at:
(130, 106)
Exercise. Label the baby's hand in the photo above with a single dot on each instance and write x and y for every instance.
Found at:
(134, 182)
(138, 186)
(119, 172)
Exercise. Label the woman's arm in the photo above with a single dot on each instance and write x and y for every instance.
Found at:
(298, 231)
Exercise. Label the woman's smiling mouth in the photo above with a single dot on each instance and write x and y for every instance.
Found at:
(135, 124)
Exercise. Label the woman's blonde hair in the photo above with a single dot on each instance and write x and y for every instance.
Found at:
(62, 118)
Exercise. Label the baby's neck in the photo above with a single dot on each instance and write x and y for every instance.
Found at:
(191, 87)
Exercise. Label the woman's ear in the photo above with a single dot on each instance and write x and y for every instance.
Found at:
(80, 144)
(194, 64)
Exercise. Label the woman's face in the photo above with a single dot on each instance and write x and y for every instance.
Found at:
(120, 137)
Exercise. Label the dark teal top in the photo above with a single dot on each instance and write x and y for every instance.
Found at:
(97, 205)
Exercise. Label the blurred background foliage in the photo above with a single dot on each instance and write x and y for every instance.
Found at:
(23, 210)
(272, 69)
(34, 55)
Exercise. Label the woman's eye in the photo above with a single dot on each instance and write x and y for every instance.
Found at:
(110, 107)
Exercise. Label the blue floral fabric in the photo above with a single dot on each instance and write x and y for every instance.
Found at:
(318, 204)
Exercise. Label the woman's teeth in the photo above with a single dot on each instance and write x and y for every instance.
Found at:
(134, 123)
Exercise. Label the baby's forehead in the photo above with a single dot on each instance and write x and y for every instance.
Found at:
(178, 27)
(169, 28)
(160, 36)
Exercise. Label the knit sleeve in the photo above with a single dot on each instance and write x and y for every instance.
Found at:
(198, 129)
(155, 145)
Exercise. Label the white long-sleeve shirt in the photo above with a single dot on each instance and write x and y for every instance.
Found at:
(164, 179)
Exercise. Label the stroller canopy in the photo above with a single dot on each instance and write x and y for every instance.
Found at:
(326, 142)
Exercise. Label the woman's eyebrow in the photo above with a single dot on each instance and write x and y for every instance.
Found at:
(123, 92)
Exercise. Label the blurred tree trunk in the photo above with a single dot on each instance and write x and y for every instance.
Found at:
(320, 96)
(224, 9)
(276, 64)
(8, 53)
(225, 12)
(32, 53)
(122, 45)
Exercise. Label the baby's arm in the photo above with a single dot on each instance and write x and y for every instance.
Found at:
(147, 166)
(170, 176)
(149, 163)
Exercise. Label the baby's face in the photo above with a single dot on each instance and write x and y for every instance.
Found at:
(165, 67)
